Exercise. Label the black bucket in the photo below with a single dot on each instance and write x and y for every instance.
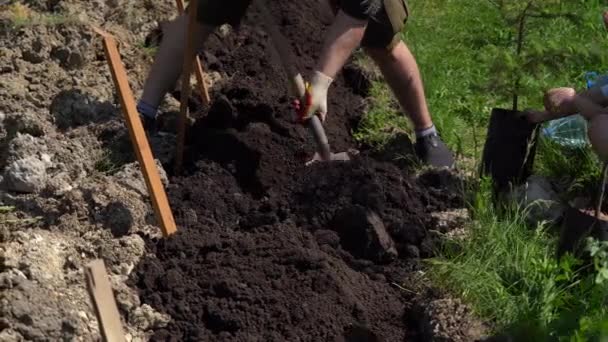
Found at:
(576, 227)
(508, 155)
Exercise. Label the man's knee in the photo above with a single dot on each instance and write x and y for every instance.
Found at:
(384, 53)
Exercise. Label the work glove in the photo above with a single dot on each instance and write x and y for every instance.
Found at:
(314, 101)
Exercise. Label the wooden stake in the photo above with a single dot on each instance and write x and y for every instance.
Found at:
(198, 66)
(185, 91)
(138, 137)
(100, 291)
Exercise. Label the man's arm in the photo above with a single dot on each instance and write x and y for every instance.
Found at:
(561, 102)
(344, 36)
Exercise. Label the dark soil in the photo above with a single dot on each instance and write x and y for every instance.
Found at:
(270, 250)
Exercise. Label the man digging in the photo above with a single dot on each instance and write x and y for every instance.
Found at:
(167, 66)
(373, 24)
(376, 25)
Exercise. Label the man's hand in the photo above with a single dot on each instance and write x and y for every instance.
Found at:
(315, 98)
(560, 101)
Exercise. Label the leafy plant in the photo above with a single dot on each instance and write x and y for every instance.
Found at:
(528, 51)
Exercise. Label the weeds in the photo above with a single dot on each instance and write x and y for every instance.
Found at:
(5, 210)
(382, 119)
(21, 15)
(107, 164)
(149, 51)
(575, 169)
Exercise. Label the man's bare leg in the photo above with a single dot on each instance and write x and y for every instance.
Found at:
(400, 71)
(168, 63)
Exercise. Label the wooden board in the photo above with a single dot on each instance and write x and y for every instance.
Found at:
(198, 66)
(100, 291)
(189, 55)
(157, 193)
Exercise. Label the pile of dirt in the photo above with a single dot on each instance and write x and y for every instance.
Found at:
(312, 263)
(269, 249)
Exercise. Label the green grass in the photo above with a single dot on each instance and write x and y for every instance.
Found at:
(506, 270)
(149, 51)
(6, 210)
(457, 44)
(509, 273)
(382, 118)
(108, 163)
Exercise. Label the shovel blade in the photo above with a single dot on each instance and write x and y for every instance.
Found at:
(341, 156)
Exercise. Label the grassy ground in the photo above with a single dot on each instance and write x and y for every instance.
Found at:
(507, 270)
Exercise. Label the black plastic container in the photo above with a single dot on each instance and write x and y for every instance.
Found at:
(508, 155)
(576, 227)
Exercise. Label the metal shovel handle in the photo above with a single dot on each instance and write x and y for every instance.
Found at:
(295, 79)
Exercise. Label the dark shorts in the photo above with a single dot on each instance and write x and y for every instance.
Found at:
(220, 12)
(385, 24)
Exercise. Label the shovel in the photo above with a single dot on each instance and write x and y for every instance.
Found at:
(298, 88)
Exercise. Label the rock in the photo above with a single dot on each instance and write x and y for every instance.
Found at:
(36, 54)
(27, 175)
(9, 335)
(363, 233)
(60, 184)
(25, 122)
(24, 146)
(327, 237)
(225, 30)
(130, 176)
(452, 223)
(73, 108)
(118, 218)
(145, 318)
(540, 201)
(450, 320)
(68, 58)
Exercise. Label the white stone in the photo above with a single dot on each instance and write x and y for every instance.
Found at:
(26, 175)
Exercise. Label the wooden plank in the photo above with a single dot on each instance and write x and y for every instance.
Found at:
(100, 291)
(180, 6)
(139, 140)
(198, 66)
(185, 87)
